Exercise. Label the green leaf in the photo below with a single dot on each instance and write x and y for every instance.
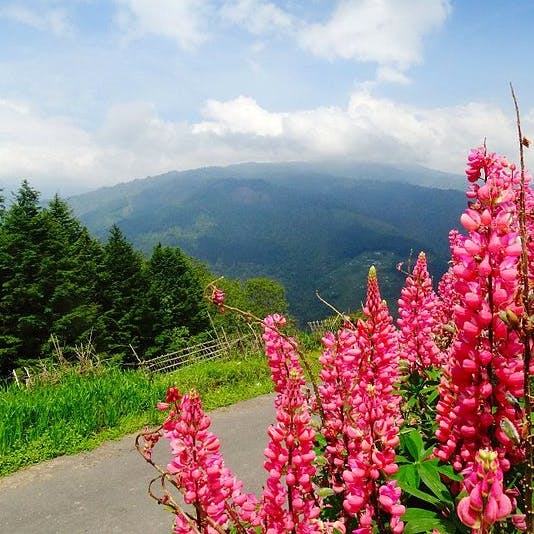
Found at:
(418, 493)
(428, 525)
(450, 473)
(413, 442)
(419, 520)
(430, 476)
(325, 492)
(412, 514)
(409, 475)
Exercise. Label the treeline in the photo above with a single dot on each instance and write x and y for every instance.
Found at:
(56, 280)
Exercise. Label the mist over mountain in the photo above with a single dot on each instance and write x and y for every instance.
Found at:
(310, 226)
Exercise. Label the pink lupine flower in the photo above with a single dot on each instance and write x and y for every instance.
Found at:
(217, 297)
(448, 298)
(280, 351)
(150, 439)
(375, 414)
(486, 367)
(337, 375)
(486, 502)
(289, 507)
(417, 321)
(389, 500)
(198, 468)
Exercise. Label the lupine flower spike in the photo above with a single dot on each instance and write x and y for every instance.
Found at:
(289, 507)
(418, 307)
(375, 419)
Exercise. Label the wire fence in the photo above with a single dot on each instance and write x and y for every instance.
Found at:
(51, 371)
(324, 325)
(206, 351)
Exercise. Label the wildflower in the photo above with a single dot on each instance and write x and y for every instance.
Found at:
(198, 468)
(485, 369)
(217, 297)
(375, 413)
(486, 502)
(337, 375)
(291, 506)
(417, 319)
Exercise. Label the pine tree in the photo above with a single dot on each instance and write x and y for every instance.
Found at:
(23, 240)
(175, 297)
(75, 257)
(121, 291)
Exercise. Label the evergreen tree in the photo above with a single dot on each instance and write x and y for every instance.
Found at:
(175, 298)
(75, 255)
(59, 286)
(23, 240)
(122, 289)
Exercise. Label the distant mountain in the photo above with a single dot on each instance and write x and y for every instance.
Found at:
(311, 227)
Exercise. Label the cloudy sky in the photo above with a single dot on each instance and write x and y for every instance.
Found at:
(95, 92)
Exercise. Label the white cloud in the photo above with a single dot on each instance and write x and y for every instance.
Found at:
(392, 75)
(242, 115)
(135, 141)
(182, 21)
(257, 16)
(387, 32)
(55, 21)
(50, 150)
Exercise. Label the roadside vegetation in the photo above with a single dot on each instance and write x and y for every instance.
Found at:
(79, 317)
(77, 412)
(60, 288)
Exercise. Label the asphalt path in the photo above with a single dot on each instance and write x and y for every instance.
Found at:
(105, 490)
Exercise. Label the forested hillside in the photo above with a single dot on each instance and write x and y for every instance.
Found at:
(306, 228)
(57, 280)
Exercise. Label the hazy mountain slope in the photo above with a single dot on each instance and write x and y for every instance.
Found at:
(307, 229)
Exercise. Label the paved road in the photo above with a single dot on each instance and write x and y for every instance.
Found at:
(104, 491)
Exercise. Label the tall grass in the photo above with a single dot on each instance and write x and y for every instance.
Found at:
(81, 411)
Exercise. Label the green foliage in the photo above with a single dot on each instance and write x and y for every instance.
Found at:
(81, 411)
(419, 398)
(174, 299)
(265, 296)
(305, 228)
(57, 280)
(421, 478)
(424, 480)
(419, 520)
(23, 244)
(259, 296)
(2, 206)
(47, 270)
(122, 287)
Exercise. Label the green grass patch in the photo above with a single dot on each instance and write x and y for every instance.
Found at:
(81, 411)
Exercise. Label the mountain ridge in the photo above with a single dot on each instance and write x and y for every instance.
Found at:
(278, 220)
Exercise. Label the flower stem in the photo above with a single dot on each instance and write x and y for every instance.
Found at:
(526, 330)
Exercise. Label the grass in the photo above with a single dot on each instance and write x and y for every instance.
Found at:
(82, 411)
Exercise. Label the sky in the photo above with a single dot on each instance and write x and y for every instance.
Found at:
(97, 92)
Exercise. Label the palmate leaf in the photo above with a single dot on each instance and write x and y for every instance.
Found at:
(430, 476)
(413, 443)
(421, 521)
(408, 474)
(450, 473)
(418, 493)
